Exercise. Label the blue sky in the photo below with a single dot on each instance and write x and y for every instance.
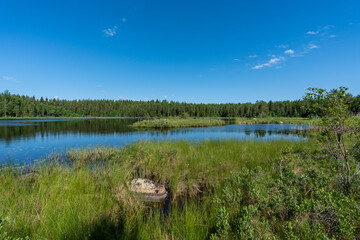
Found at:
(193, 51)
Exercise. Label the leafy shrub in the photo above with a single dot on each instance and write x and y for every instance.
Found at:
(294, 205)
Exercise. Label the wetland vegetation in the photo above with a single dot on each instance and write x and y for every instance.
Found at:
(172, 122)
(219, 189)
(178, 122)
(276, 120)
(88, 198)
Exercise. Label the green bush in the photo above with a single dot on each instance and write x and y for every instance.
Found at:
(291, 206)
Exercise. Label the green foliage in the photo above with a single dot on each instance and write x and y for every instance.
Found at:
(222, 224)
(12, 105)
(303, 205)
(340, 131)
(289, 232)
(4, 235)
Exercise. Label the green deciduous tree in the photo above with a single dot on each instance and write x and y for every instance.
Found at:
(340, 131)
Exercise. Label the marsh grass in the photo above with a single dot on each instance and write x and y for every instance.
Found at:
(276, 120)
(178, 122)
(218, 190)
(87, 198)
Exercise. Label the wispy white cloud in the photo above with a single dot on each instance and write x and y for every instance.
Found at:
(321, 30)
(328, 27)
(284, 52)
(252, 56)
(110, 32)
(312, 32)
(299, 55)
(9, 78)
(289, 51)
(273, 61)
(236, 59)
(312, 46)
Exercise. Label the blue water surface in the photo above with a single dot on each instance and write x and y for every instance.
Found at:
(25, 141)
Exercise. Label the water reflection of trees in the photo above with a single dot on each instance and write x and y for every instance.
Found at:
(43, 129)
(54, 128)
(294, 132)
(258, 133)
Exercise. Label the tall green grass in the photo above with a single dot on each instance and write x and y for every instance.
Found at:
(85, 195)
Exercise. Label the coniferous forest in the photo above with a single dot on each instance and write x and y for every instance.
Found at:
(12, 105)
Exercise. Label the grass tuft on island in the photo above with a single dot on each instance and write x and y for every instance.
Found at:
(275, 120)
(178, 123)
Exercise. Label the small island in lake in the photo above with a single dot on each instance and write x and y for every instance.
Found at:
(178, 122)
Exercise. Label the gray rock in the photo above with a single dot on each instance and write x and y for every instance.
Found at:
(148, 190)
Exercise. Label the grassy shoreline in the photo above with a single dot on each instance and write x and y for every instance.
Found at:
(275, 120)
(178, 123)
(219, 190)
(264, 119)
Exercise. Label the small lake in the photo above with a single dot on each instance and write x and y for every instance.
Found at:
(25, 141)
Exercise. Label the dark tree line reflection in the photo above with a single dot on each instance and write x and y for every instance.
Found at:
(28, 129)
(31, 129)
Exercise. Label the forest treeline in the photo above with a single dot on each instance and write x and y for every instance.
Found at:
(12, 105)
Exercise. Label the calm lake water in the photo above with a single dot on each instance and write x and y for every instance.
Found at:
(24, 141)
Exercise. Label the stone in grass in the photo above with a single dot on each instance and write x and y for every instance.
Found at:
(148, 190)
